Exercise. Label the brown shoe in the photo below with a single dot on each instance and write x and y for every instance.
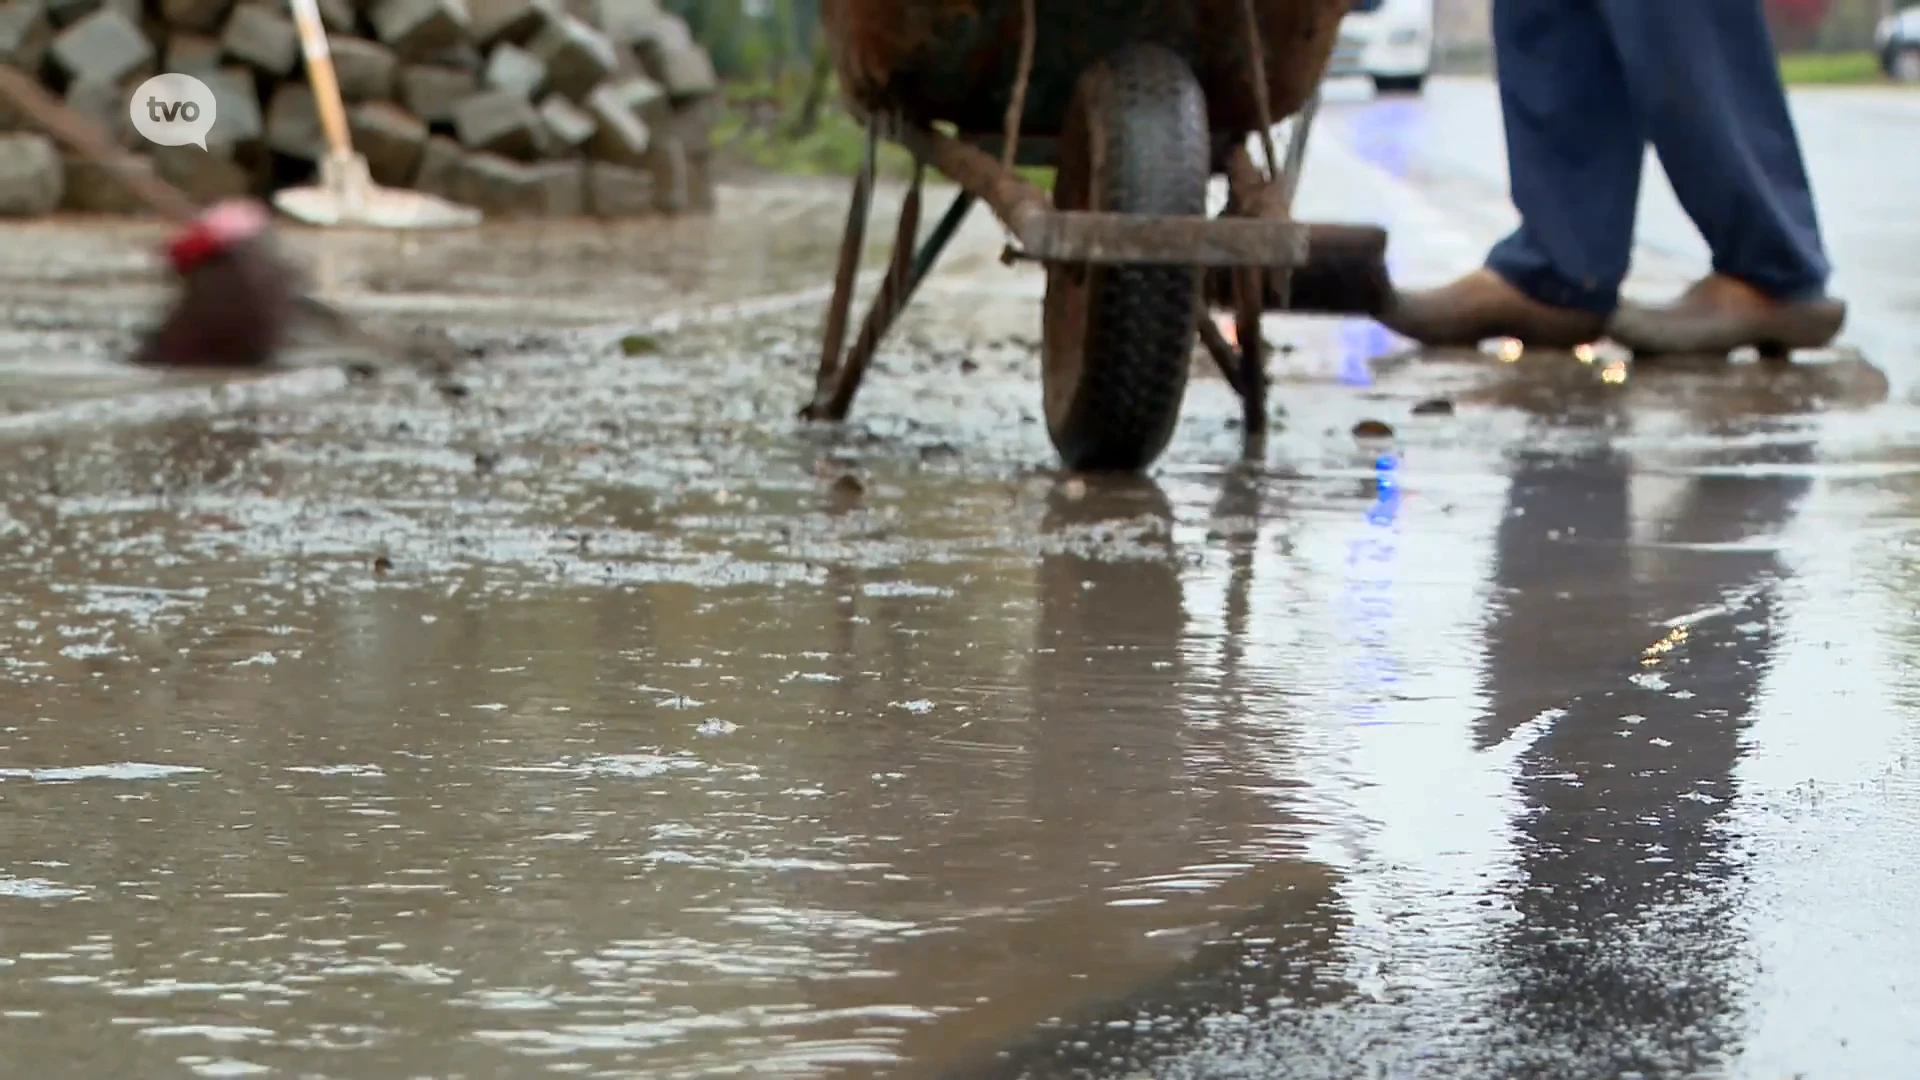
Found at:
(1483, 305)
(1719, 314)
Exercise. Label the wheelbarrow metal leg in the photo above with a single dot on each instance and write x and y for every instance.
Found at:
(859, 208)
(906, 270)
(1250, 286)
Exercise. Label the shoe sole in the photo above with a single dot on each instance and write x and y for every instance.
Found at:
(1798, 326)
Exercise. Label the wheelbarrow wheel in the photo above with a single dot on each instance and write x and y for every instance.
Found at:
(1118, 339)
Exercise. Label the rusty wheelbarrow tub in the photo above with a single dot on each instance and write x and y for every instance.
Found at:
(1137, 104)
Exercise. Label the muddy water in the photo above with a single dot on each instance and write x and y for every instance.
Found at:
(580, 712)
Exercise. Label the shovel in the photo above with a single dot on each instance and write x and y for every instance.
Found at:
(347, 194)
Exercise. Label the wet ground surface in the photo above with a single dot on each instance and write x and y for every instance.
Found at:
(582, 712)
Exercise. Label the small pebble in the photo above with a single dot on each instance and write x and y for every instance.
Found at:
(1372, 429)
(1434, 407)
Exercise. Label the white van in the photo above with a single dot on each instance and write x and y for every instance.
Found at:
(1388, 41)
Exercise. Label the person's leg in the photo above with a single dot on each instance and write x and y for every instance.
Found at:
(1574, 155)
(1706, 83)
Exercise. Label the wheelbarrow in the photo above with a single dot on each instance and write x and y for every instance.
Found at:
(1137, 105)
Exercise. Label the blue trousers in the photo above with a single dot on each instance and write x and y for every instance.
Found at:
(1585, 85)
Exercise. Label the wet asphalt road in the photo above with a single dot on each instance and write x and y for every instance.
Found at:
(579, 712)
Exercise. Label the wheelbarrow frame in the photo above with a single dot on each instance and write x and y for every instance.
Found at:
(1254, 241)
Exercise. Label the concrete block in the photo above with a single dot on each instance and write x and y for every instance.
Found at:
(104, 102)
(498, 186)
(569, 127)
(702, 192)
(515, 21)
(577, 56)
(25, 34)
(417, 28)
(438, 160)
(262, 38)
(202, 176)
(618, 191)
(92, 188)
(643, 97)
(515, 70)
(628, 22)
(64, 13)
(32, 177)
(339, 17)
(677, 61)
(430, 93)
(390, 138)
(619, 136)
(103, 47)
(293, 123)
(498, 122)
(693, 123)
(667, 160)
(237, 121)
(562, 188)
(204, 16)
(190, 53)
(366, 69)
(458, 57)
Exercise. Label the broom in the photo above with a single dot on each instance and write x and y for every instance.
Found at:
(238, 297)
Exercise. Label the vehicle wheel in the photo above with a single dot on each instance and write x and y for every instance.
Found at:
(1118, 339)
(1905, 66)
(1399, 84)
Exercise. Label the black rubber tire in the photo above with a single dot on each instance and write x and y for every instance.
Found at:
(1118, 340)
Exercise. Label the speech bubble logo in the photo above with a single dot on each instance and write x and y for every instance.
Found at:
(173, 110)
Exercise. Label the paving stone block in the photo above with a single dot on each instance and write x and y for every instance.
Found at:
(339, 17)
(105, 103)
(619, 136)
(702, 192)
(92, 188)
(64, 13)
(628, 22)
(261, 38)
(293, 123)
(25, 34)
(693, 123)
(569, 127)
(516, 21)
(643, 97)
(515, 70)
(677, 61)
(32, 176)
(390, 138)
(202, 176)
(563, 188)
(237, 121)
(461, 57)
(577, 56)
(618, 191)
(416, 29)
(366, 69)
(667, 160)
(438, 160)
(203, 16)
(498, 122)
(103, 47)
(191, 53)
(498, 186)
(430, 93)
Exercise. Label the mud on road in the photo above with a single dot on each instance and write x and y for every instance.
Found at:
(579, 710)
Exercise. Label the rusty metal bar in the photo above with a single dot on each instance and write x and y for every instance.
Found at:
(1224, 354)
(834, 402)
(1250, 286)
(1076, 236)
(859, 208)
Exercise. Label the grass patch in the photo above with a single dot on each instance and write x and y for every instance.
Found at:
(1830, 69)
